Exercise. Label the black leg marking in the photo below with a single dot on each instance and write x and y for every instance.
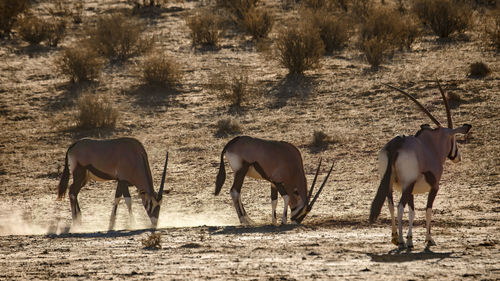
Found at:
(239, 177)
(431, 197)
(274, 193)
(281, 189)
(407, 195)
(259, 170)
(411, 202)
(430, 179)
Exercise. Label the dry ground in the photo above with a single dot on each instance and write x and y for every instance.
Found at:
(201, 236)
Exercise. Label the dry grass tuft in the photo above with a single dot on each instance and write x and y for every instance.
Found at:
(32, 29)
(55, 31)
(479, 70)
(9, 10)
(321, 140)
(257, 22)
(119, 37)
(159, 69)
(95, 111)
(333, 30)
(152, 241)
(493, 29)
(80, 63)
(299, 48)
(234, 89)
(227, 126)
(444, 17)
(205, 28)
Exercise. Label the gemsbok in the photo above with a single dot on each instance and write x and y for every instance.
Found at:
(122, 159)
(275, 161)
(413, 165)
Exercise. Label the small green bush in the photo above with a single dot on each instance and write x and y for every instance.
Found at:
(334, 30)
(79, 62)
(205, 28)
(159, 69)
(444, 17)
(95, 111)
(32, 29)
(299, 48)
(9, 10)
(120, 37)
(227, 126)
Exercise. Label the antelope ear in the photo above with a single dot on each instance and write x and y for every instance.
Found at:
(462, 130)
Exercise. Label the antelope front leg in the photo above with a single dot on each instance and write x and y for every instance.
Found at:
(286, 199)
(274, 202)
(113, 214)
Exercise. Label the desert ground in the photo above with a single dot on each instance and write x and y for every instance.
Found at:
(201, 237)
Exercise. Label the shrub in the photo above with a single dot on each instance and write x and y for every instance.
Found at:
(9, 10)
(32, 29)
(95, 111)
(257, 22)
(235, 91)
(493, 29)
(332, 29)
(445, 17)
(205, 28)
(479, 69)
(80, 63)
(159, 69)
(117, 36)
(374, 50)
(55, 31)
(299, 48)
(152, 241)
(238, 8)
(321, 140)
(227, 126)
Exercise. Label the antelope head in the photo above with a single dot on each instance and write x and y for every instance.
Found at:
(152, 203)
(299, 215)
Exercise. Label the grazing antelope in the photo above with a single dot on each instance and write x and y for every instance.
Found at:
(124, 160)
(275, 161)
(412, 165)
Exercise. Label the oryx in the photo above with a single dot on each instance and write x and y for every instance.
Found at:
(412, 165)
(275, 161)
(122, 159)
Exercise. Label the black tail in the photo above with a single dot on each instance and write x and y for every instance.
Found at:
(384, 187)
(63, 183)
(221, 176)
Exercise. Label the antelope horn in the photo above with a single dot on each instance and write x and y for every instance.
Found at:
(309, 207)
(417, 102)
(160, 191)
(314, 181)
(446, 105)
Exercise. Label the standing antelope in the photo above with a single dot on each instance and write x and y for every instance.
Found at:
(275, 161)
(413, 165)
(124, 160)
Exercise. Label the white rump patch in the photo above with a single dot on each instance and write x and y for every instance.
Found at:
(406, 168)
(234, 160)
(382, 162)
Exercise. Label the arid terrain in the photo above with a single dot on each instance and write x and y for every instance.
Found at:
(201, 237)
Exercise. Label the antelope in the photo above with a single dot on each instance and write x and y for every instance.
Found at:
(122, 159)
(275, 161)
(414, 165)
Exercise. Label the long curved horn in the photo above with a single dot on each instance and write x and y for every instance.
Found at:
(314, 181)
(446, 105)
(417, 102)
(309, 207)
(160, 191)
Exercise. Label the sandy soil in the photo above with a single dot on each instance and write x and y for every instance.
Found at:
(201, 236)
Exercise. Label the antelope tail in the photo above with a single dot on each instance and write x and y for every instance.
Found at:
(384, 187)
(221, 176)
(63, 183)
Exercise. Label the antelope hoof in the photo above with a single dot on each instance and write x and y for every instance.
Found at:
(409, 242)
(430, 243)
(402, 246)
(395, 240)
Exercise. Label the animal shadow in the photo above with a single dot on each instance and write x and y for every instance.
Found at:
(397, 256)
(251, 229)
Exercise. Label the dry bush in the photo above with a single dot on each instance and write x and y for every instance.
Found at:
(55, 31)
(117, 36)
(32, 29)
(9, 10)
(321, 140)
(95, 111)
(375, 51)
(334, 30)
(235, 89)
(257, 22)
(299, 48)
(479, 69)
(205, 28)
(444, 17)
(227, 126)
(493, 29)
(238, 8)
(159, 69)
(79, 62)
(152, 241)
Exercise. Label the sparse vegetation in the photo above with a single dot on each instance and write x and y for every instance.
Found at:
(227, 126)
(479, 69)
(299, 48)
(205, 28)
(160, 69)
(79, 62)
(55, 31)
(444, 17)
(334, 30)
(32, 29)
(95, 111)
(257, 22)
(233, 90)
(9, 10)
(119, 37)
(152, 241)
(321, 140)
(493, 29)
